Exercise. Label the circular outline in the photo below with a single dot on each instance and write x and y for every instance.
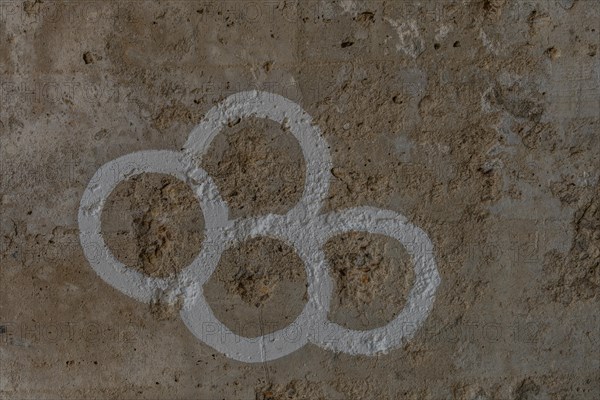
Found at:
(198, 315)
(277, 108)
(420, 298)
(127, 280)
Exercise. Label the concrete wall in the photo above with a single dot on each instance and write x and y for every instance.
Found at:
(475, 124)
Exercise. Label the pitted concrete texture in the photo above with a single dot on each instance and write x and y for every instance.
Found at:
(153, 223)
(478, 120)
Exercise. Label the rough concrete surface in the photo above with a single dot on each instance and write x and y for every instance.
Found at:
(478, 120)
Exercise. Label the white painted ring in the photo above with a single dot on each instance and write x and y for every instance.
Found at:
(127, 280)
(201, 321)
(420, 298)
(283, 111)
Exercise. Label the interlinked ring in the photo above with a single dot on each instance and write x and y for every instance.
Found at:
(301, 227)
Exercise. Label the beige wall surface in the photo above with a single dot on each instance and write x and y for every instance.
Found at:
(319, 199)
